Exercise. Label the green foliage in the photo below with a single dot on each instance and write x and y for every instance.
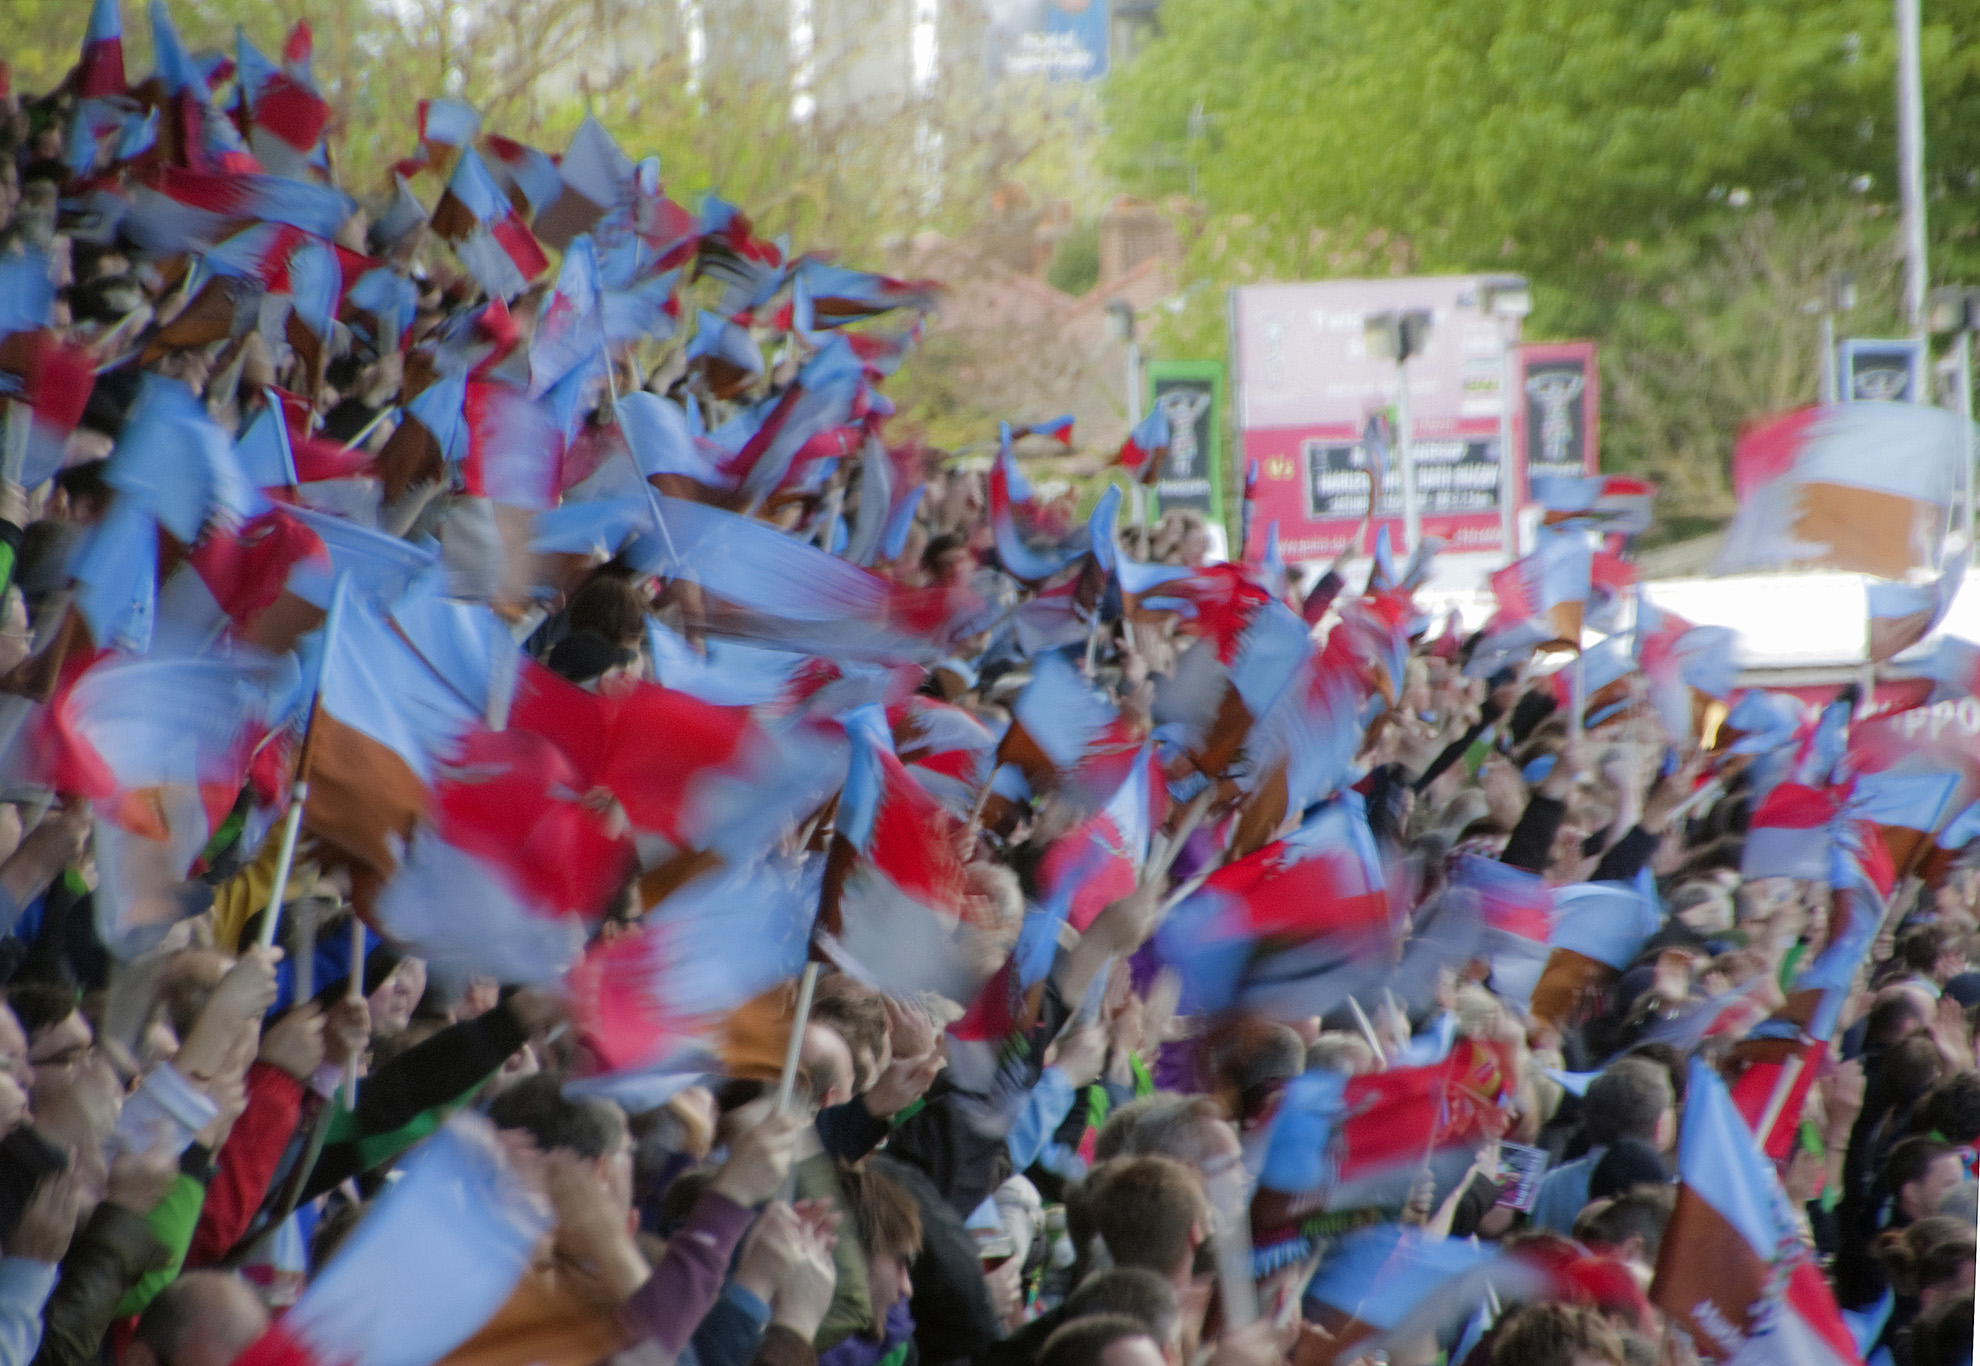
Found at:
(1075, 266)
(1674, 177)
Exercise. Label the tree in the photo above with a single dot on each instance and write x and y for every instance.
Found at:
(1619, 152)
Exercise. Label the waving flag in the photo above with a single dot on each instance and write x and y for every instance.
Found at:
(1902, 614)
(476, 219)
(945, 749)
(161, 748)
(1679, 659)
(826, 296)
(101, 71)
(730, 251)
(1861, 486)
(195, 133)
(1599, 927)
(568, 328)
(1611, 503)
(382, 718)
(380, 305)
(528, 176)
(726, 354)
(593, 172)
(286, 113)
(1351, 1142)
(172, 461)
(48, 383)
(1248, 651)
(1020, 557)
(699, 776)
(772, 588)
(1783, 1053)
(1147, 445)
(1303, 750)
(657, 997)
(893, 904)
(269, 582)
(1733, 1272)
(1391, 1284)
(1063, 733)
(513, 864)
(821, 401)
(1291, 929)
(727, 672)
(1550, 586)
(440, 1253)
(179, 210)
(1100, 860)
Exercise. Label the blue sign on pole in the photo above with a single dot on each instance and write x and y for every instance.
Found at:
(1063, 40)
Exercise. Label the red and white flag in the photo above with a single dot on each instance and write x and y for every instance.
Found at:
(1733, 1273)
(434, 1260)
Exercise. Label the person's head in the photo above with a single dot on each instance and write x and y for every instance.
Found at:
(1254, 1060)
(945, 559)
(1141, 1295)
(1903, 1075)
(1628, 1226)
(888, 1225)
(1629, 1163)
(1101, 1340)
(1188, 1128)
(1932, 952)
(827, 1061)
(1555, 1335)
(1704, 907)
(1951, 1110)
(590, 661)
(393, 986)
(612, 609)
(204, 1318)
(1150, 1212)
(1931, 1259)
(861, 1020)
(1895, 1014)
(1943, 1334)
(1630, 1099)
(590, 1128)
(1338, 1051)
(1920, 1173)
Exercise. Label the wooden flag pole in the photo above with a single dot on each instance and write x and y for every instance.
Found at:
(787, 1082)
(1224, 1185)
(354, 992)
(291, 832)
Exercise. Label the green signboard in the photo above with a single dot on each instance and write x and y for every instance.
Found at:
(1193, 470)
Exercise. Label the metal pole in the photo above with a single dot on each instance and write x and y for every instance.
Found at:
(1133, 382)
(1406, 458)
(1828, 388)
(1508, 476)
(1963, 358)
(1911, 163)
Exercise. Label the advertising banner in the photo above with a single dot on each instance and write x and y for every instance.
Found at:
(1306, 385)
(1557, 422)
(1063, 40)
(1192, 393)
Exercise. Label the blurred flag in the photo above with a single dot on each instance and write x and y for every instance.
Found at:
(101, 70)
(657, 995)
(1291, 929)
(438, 1255)
(1733, 1273)
(893, 906)
(1610, 503)
(1902, 614)
(1771, 1069)
(1147, 446)
(476, 219)
(592, 171)
(1548, 587)
(286, 114)
(1859, 486)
